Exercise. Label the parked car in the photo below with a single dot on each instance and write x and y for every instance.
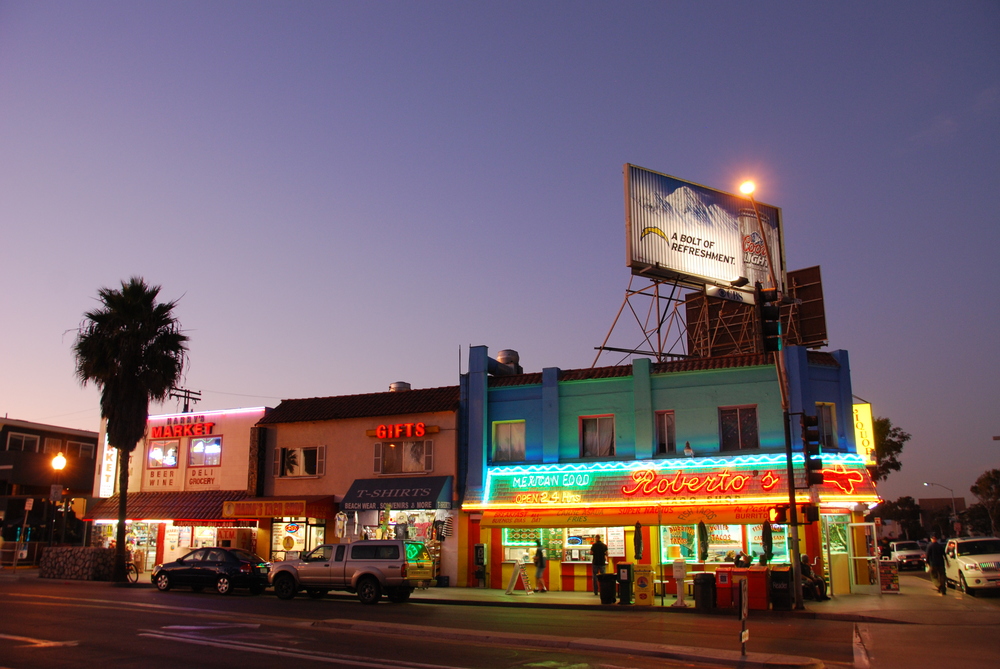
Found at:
(219, 568)
(972, 563)
(906, 554)
(368, 568)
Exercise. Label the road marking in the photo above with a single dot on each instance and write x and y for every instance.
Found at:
(316, 656)
(211, 626)
(38, 643)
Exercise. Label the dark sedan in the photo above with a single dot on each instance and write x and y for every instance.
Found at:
(219, 568)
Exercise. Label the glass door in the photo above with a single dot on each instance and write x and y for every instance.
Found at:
(863, 559)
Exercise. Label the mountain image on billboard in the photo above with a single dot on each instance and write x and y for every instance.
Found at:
(697, 235)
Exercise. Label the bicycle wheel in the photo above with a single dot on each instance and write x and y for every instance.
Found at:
(132, 573)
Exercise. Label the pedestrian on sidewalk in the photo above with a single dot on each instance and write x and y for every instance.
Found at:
(598, 561)
(935, 561)
(540, 567)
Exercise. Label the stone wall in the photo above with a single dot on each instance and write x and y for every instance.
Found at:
(77, 563)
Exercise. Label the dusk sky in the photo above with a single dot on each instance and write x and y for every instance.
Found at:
(341, 195)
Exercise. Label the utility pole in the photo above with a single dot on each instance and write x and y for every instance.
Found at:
(187, 395)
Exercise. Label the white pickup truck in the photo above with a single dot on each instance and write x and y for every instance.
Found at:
(367, 568)
(906, 554)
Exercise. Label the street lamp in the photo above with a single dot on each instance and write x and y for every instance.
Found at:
(954, 511)
(747, 188)
(58, 464)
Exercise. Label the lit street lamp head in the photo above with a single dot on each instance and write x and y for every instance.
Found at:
(59, 462)
(747, 187)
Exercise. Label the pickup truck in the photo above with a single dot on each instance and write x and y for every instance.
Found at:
(368, 568)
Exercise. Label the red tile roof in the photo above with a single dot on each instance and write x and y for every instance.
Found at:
(685, 365)
(360, 406)
(178, 505)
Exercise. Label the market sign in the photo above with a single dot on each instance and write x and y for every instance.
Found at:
(741, 480)
(864, 433)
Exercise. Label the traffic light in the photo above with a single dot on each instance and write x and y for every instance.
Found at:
(810, 449)
(778, 514)
(770, 318)
(809, 513)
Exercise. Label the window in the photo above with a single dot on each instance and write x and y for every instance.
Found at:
(307, 461)
(508, 441)
(738, 428)
(22, 442)
(363, 551)
(597, 436)
(827, 426)
(205, 452)
(162, 454)
(80, 449)
(398, 457)
(53, 445)
(666, 440)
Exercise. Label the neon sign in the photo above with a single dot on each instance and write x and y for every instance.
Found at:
(846, 479)
(646, 482)
(400, 430)
(189, 430)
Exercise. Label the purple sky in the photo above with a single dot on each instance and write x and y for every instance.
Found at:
(343, 194)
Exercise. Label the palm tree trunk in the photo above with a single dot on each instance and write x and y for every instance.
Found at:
(119, 575)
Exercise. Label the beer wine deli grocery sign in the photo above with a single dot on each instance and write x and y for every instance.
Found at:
(698, 235)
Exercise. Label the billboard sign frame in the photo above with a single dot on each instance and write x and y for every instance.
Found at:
(680, 231)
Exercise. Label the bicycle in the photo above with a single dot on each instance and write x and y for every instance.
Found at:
(131, 573)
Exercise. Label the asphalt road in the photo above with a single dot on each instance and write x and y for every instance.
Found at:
(50, 624)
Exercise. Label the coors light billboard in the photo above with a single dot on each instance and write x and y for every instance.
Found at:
(681, 231)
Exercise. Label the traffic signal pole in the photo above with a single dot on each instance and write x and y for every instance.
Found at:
(793, 518)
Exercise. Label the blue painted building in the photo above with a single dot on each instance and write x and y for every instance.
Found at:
(566, 456)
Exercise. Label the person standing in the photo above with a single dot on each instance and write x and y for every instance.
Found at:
(540, 567)
(935, 560)
(598, 560)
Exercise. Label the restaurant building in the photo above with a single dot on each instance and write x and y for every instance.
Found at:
(386, 461)
(181, 475)
(662, 462)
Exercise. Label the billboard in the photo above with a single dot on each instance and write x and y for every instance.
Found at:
(695, 235)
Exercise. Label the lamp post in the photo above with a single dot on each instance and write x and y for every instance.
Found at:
(954, 511)
(58, 464)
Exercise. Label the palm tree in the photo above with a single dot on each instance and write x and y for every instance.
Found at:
(133, 350)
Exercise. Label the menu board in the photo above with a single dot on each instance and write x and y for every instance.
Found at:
(888, 576)
(616, 542)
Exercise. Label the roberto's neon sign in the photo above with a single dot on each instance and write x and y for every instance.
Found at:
(646, 482)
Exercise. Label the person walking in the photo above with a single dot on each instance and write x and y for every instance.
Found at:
(598, 561)
(935, 560)
(540, 567)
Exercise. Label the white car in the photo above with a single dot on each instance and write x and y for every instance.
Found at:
(906, 554)
(971, 563)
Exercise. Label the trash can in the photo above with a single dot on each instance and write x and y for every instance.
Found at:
(781, 587)
(704, 591)
(724, 586)
(625, 580)
(607, 583)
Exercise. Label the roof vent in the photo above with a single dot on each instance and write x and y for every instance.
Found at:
(398, 387)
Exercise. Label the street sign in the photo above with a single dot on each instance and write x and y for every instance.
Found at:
(29, 503)
(744, 598)
(55, 492)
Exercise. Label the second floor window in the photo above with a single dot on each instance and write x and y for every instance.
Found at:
(738, 428)
(162, 454)
(666, 439)
(299, 462)
(400, 457)
(22, 442)
(508, 441)
(597, 436)
(205, 452)
(827, 426)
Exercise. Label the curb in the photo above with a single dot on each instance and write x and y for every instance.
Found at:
(681, 653)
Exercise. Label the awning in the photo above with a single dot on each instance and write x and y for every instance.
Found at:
(309, 506)
(180, 505)
(412, 492)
